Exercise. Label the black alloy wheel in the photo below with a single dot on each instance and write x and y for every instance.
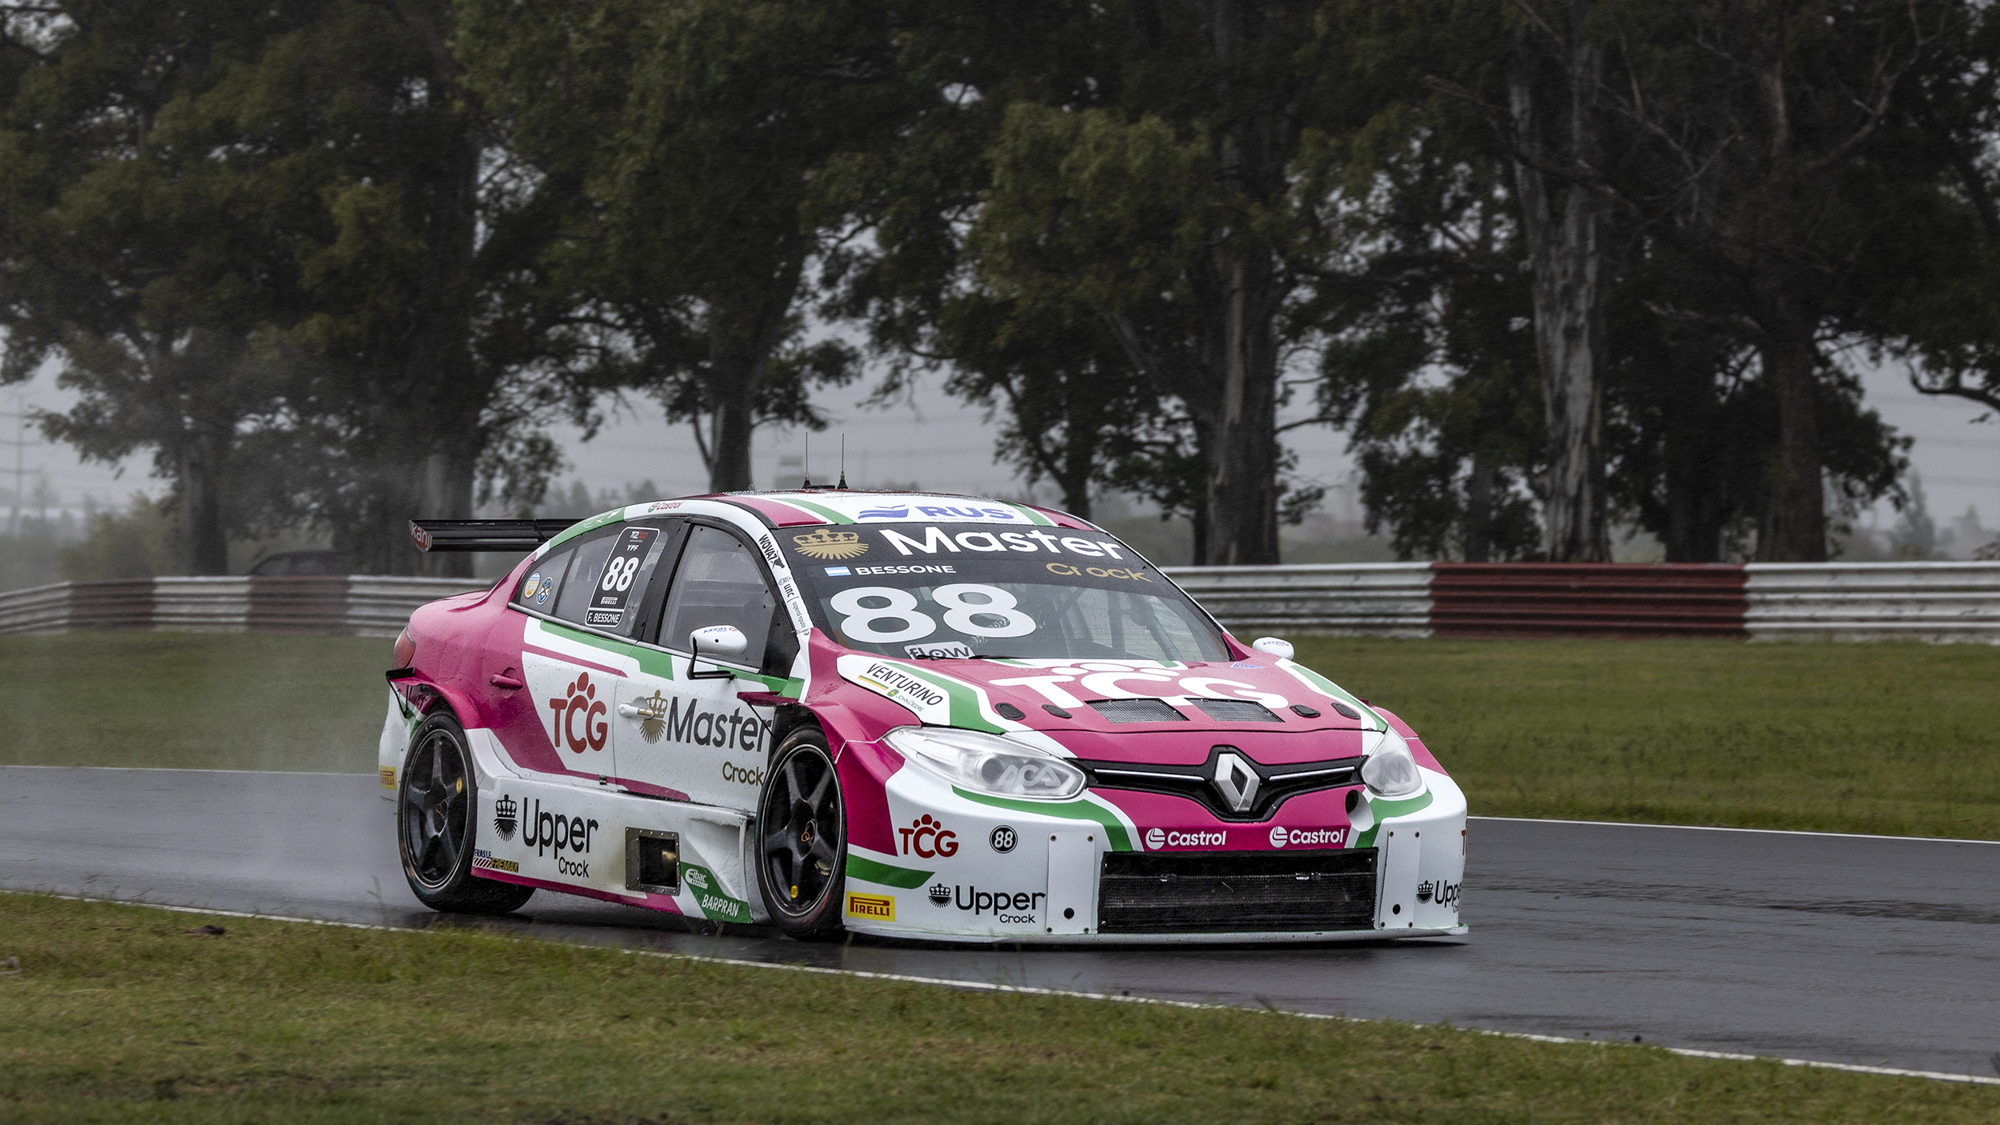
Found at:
(802, 834)
(436, 817)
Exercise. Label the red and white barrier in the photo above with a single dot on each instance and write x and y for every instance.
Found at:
(356, 605)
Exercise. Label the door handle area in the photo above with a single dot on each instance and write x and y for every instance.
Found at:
(500, 680)
(627, 710)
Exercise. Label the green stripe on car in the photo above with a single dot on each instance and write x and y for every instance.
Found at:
(887, 874)
(1384, 809)
(1114, 830)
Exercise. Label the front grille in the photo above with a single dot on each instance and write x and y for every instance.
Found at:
(1276, 784)
(1236, 892)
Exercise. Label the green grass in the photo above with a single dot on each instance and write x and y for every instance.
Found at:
(194, 700)
(1893, 738)
(131, 1014)
(1887, 738)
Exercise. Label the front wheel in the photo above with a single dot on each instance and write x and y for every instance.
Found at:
(436, 809)
(802, 835)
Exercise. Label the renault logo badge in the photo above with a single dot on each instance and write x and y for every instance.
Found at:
(1236, 781)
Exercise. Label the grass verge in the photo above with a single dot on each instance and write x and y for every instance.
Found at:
(125, 1013)
(195, 700)
(1887, 738)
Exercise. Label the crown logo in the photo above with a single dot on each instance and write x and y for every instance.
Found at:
(940, 894)
(504, 811)
(1424, 891)
(652, 711)
(824, 544)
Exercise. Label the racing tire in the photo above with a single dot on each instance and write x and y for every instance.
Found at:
(802, 839)
(437, 808)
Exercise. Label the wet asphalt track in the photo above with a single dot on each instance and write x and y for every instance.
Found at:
(1874, 951)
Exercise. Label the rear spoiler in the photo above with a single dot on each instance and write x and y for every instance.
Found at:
(485, 535)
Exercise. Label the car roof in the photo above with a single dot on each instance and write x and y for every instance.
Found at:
(807, 507)
(799, 507)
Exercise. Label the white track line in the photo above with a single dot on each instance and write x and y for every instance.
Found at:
(1715, 828)
(1029, 990)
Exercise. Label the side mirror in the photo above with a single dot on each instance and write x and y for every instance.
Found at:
(716, 642)
(1273, 646)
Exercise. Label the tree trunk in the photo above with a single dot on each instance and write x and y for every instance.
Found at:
(1476, 539)
(1794, 528)
(734, 375)
(203, 546)
(1243, 418)
(1077, 462)
(745, 331)
(1564, 268)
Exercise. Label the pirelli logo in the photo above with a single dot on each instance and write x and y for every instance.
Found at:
(388, 775)
(882, 908)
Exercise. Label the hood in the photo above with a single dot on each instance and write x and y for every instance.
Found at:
(1132, 710)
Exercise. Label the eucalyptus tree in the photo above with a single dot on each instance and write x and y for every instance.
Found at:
(700, 160)
(1769, 137)
(130, 247)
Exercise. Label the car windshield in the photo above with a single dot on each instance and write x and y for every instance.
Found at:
(957, 591)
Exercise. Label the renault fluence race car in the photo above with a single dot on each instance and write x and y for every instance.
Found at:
(901, 715)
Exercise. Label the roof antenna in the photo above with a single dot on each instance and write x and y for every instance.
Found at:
(806, 479)
(843, 460)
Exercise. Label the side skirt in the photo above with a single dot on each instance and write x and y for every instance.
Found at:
(671, 856)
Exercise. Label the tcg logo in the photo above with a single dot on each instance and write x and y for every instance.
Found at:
(928, 839)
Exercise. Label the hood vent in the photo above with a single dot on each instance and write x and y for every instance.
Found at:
(1236, 711)
(1138, 711)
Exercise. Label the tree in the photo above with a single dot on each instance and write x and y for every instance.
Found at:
(1764, 130)
(1170, 200)
(1553, 77)
(126, 251)
(258, 236)
(1433, 360)
(702, 158)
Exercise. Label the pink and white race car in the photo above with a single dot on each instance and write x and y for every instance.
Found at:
(904, 715)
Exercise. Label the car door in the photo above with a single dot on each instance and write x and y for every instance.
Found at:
(689, 733)
(571, 643)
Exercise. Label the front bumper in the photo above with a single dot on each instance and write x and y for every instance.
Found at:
(968, 867)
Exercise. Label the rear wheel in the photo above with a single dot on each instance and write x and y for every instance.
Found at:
(436, 815)
(802, 834)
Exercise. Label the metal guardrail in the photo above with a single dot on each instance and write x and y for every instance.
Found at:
(1927, 601)
(1371, 599)
(357, 605)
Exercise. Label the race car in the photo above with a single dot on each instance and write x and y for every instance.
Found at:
(904, 715)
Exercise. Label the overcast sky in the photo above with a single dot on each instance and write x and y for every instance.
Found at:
(939, 443)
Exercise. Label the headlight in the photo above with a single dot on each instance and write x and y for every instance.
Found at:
(988, 763)
(1390, 771)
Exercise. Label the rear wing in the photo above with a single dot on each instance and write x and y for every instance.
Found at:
(485, 535)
